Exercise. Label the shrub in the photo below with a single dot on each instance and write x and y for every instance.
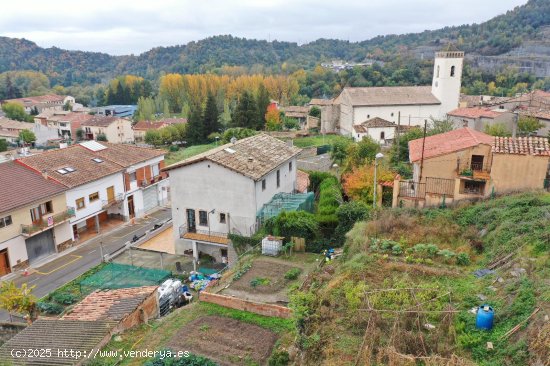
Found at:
(316, 178)
(330, 198)
(292, 274)
(396, 250)
(446, 254)
(50, 308)
(260, 281)
(279, 358)
(463, 259)
(294, 223)
(173, 148)
(318, 245)
(64, 298)
(348, 214)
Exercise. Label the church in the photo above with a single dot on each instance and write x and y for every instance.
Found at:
(354, 108)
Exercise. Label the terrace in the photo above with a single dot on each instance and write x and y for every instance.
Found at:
(46, 223)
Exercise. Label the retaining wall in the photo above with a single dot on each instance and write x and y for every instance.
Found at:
(246, 305)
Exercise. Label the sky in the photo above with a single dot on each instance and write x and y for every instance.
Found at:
(120, 27)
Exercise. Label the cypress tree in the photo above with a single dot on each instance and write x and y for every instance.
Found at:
(211, 116)
(263, 101)
(246, 112)
(195, 126)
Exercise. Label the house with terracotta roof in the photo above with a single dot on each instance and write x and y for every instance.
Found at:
(40, 103)
(468, 164)
(34, 217)
(376, 128)
(479, 118)
(9, 130)
(222, 191)
(404, 105)
(115, 129)
(142, 127)
(106, 183)
(65, 122)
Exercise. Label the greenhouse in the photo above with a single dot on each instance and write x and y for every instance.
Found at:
(286, 202)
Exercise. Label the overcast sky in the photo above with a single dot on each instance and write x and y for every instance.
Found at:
(134, 26)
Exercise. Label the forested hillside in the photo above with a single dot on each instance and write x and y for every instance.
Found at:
(494, 37)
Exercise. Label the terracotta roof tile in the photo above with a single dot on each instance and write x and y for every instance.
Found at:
(473, 113)
(75, 156)
(448, 142)
(253, 156)
(14, 194)
(537, 146)
(391, 95)
(100, 121)
(110, 305)
(316, 101)
(10, 124)
(126, 155)
(378, 122)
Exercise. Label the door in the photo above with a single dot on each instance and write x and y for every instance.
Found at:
(150, 198)
(191, 224)
(131, 209)
(111, 193)
(4, 262)
(40, 245)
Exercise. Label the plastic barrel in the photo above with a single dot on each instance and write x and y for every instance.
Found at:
(484, 318)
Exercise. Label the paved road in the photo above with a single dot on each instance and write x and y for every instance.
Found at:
(67, 267)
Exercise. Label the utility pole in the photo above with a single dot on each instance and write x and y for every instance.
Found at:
(422, 157)
(397, 133)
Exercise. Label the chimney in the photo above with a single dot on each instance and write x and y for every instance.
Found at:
(249, 163)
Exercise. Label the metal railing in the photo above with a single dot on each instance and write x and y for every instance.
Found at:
(115, 200)
(412, 190)
(183, 229)
(440, 186)
(468, 167)
(146, 183)
(48, 222)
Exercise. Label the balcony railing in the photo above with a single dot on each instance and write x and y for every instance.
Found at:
(48, 222)
(115, 200)
(146, 183)
(186, 232)
(412, 190)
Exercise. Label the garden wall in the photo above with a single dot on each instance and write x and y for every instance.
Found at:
(246, 305)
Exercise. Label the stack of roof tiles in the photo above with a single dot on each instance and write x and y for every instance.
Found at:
(537, 146)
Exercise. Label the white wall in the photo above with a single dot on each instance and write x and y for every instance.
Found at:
(445, 87)
(413, 115)
(85, 190)
(63, 233)
(17, 250)
(44, 133)
(288, 184)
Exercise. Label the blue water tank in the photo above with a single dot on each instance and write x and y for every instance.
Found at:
(485, 317)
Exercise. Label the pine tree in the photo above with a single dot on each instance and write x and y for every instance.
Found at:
(211, 116)
(263, 101)
(195, 126)
(246, 112)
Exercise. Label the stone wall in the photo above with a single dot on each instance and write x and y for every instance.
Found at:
(149, 309)
(8, 330)
(246, 305)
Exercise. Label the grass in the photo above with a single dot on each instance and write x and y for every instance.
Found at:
(311, 141)
(182, 154)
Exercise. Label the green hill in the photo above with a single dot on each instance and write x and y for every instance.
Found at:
(494, 37)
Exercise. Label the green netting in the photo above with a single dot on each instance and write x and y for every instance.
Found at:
(286, 202)
(116, 275)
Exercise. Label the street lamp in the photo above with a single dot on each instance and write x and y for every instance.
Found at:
(375, 188)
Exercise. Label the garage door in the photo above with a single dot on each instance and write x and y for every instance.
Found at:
(40, 245)
(150, 198)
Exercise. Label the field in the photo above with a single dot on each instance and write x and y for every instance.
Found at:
(182, 154)
(225, 341)
(318, 140)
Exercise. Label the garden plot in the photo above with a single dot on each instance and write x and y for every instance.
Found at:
(225, 341)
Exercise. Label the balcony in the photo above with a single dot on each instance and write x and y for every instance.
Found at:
(114, 201)
(146, 183)
(476, 170)
(203, 235)
(46, 223)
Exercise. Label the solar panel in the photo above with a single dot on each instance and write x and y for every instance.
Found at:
(93, 145)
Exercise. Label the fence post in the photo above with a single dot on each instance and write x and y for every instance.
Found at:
(161, 262)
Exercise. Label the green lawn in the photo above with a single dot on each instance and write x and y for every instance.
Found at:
(182, 154)
(317, 140)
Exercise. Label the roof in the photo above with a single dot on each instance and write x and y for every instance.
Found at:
(6, 123)
(535, 112)
(253, 156)
(110, 305)
(360, 128)
(56, 334)
(48, 98)
(536, 146)
(8, 133)
(100, 121)
(126, 155)
(294, 111)
(155, 125)
(391, 95)
(448, 142)
(76, 157)
(71, 117)
(317, 101)
(473, 113)
(14, 194)
(173, 121)
(378, 122)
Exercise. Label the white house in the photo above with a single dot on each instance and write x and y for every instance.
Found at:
(41, 103)
(9, 129)
(404, 105)
(376, 128)
(221, 191)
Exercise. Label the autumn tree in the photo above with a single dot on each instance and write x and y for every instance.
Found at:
(358, 184)
(361, 153)
(171, 89)
(152, 137)
(15, 299)
(273, 119)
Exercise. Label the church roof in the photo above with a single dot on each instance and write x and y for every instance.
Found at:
(391, 95)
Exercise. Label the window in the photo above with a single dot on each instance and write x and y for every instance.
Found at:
(437, 74)
(203, 218)
(93, 197)
(263, 184)
(290, 166)
(5, 221)
(41, 210)
(368, 115)
(156, 170)
(452, 71)
(80, 204)
(97, 160)
(222, 218)
(392, 114)
(133, 177)
(382, 135)
(278, 178)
